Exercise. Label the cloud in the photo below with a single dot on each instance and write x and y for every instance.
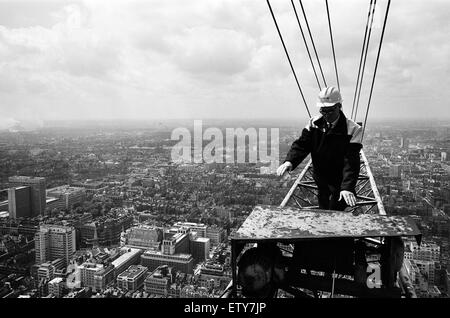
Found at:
(204, 50)
(200, 58)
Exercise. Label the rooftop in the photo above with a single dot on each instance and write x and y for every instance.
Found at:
(125, 257)
(180, 255)
(133, 271)
(65, 189)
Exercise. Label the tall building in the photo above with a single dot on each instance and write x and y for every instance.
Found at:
(54, 241)
(19, 202)
(38, 195)
(404, 143)
(175, 241)
(200, 249)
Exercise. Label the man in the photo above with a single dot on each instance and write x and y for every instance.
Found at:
(334, 142)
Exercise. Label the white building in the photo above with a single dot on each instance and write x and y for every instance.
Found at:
(54, 241)
(56, 287)
(88, 271)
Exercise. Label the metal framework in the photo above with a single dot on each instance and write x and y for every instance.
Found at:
(303, 193)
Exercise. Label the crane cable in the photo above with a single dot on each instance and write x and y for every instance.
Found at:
(365, 59)
(306, 44)
(376, 66)
(361, 58)
(332, 45)
(289, 59)
(312, 41)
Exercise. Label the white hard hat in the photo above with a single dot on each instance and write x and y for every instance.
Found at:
(329, 96)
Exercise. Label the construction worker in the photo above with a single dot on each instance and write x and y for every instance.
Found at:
(334, 142)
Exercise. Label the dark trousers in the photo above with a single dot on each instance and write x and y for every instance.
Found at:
(328, 198)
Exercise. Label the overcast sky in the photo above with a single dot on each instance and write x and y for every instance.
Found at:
(213, 59)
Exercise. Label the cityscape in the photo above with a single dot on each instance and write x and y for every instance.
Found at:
(99, 209)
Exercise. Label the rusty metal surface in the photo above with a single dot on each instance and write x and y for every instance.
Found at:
(288, 223)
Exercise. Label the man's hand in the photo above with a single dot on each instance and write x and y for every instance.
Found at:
(348, 196)
(287, 166)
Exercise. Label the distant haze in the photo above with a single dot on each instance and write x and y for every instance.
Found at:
(157, 59)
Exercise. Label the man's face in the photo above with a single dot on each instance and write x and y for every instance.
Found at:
(330, 113)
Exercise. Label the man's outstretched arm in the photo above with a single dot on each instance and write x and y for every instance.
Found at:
(351, 169)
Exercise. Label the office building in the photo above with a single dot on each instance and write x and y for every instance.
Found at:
(38, 194)
(175, 241)
(54, 241)
(129, 256)
(66, 196)
(104, 278)
(132, 278)
(105, 231)
(46, 271)
(159, 281)
(87, 273)
(19, 202)
(180, 262)
(200, 249)
(144, 236)
(424, 252)
(213, 276)
(56, 287)
(216, 234)
(200, 228)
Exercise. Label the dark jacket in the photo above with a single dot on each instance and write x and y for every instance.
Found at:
(334, 153)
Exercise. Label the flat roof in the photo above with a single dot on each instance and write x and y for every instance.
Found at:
(159, 253)
(125, 257)
(65, 189)
(203, 239)
(133, 271)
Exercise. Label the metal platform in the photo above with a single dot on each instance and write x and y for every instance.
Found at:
(289, 224)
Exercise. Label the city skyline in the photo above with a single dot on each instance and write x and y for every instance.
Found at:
(90, 60)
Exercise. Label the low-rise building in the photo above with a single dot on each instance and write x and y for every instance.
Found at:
(180, 262)
(132, 278)
(159, 281)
